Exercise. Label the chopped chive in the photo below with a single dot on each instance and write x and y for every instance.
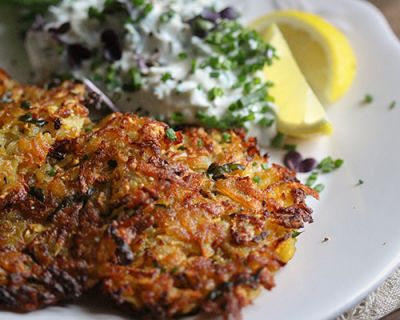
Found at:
(393, 105)
(290, 147)
(51, 172)
(178, 117)
(278, 140)
(360, 182)
(170, 133)
(256, 179)
(319, 188)
(296, 233)
(167, 76)
(226, 137)
(193, 66)
(312, 179)
(214, 93)
(328, 165)
(183, 55)
(265, 166)
(136, 79)
(368, 99)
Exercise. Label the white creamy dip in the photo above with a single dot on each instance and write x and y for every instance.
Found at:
(164, 65)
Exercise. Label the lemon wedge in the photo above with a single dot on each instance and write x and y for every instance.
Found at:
(300, 114)
(322, 52)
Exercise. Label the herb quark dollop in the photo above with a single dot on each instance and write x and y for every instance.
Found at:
(184, 61)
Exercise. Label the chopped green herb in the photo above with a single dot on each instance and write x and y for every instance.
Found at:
(170, 133)
(25, 105)
(360, 182)
(217, 172)
(393, 105)
(214, 93)
(138, 2)
(368, 99)
(256, 179)
(265, 166)
(94, 13)
(166, 76)
(183, 55)
(266, 123)
(312, 179)
(214, 74)
(166, 16)
(146, 10)
(193, 66)
(290, 147)
(51, 172)
(136, 79)
(295, 234)
(200, 143)
(226, 137)
(319, 188)
(328, 165)
(278, 140)
(178, 117)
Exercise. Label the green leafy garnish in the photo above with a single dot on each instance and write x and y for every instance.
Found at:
(360, 182)
(319, 188)
(171, 135)
(217, 172)
(214, 93)
(278, 140)
(166, 76)
(328, 165)
(312, 179)
(368, 99)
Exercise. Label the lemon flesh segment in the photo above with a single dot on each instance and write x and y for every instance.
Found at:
(300, 114)
(322, 52)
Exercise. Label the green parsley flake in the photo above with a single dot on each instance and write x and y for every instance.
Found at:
(296, 233)
(51, 172)
(171, 135)
(278, 140)
(178, 118)
(183, 55)
(136, 79)
(265, 166)
(214, 93)
(167, 76)
(256, 179)
(393, 105)
(312, 179)
(368, 99)
(360, 182)
(290, 147)
(226, 137)
(167, 16)
(319, 188)
(328, 165)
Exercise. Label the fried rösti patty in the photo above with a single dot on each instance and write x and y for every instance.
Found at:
(166, 223)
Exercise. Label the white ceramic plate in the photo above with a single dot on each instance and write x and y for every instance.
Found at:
(324, 279)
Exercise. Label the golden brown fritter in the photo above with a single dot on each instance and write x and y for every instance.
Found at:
(34, 125)
(167, 223)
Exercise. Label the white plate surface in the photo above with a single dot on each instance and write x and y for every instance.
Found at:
(324, 279)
